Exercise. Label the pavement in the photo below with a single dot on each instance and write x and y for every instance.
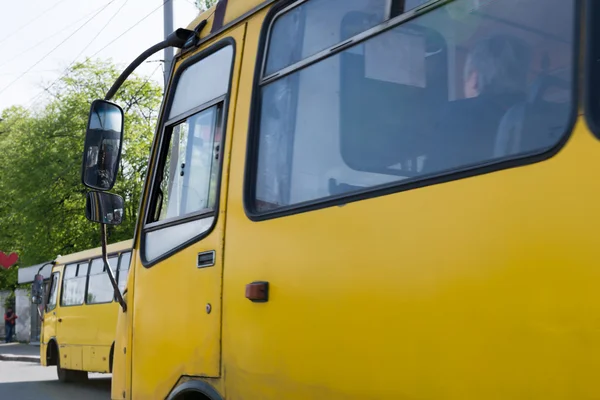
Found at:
(28, 381)
(20, 352)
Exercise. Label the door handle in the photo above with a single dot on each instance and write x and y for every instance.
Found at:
(206, 259)
(60, 320)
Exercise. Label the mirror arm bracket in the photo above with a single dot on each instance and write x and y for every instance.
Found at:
(111, 276)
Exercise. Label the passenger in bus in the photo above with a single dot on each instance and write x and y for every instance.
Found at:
(495, 79)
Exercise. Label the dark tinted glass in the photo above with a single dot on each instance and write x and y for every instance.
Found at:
(466, 84)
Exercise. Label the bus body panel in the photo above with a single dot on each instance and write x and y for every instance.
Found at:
(187, 321)
(482, 287)
(83, 329)
(122, 360)
(436, 311)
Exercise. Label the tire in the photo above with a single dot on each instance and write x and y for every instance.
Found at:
(69, 375)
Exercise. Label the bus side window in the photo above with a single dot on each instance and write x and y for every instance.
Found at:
(459, 87)
(123, 270)
(99, 287)
(74, 283)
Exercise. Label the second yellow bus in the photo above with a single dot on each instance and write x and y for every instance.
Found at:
(80, 312)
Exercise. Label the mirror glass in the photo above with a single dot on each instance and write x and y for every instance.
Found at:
(103, 140)
(104, 208)
(37, 289)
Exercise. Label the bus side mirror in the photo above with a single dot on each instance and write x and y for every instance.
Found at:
(37, 289)
(104, 208)
(103, 143)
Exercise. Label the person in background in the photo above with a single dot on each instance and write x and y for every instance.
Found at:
(9, 324)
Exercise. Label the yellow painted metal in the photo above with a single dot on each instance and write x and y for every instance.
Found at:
(121, 380)
(479, 288)
(84, 333)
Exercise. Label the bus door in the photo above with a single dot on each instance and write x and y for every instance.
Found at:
(72, 327)
(49, 323)
(178, 289)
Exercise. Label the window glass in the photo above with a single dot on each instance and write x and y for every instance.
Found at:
(125, 261)
(100, 289)
(73, 291)
(315, 25)
(213, 71)
(123, 270)
(160, 241)
(189, 177)
(97, 266)
(468, 83)
(82, 269)
(410, 4)
(52, 295)
(70, 271)
(185, 182)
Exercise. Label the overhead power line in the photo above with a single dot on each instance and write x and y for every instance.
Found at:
(29, 104)
(19, 29)
(128, 29)
(49, 37)
(66, 71)
(54, 49)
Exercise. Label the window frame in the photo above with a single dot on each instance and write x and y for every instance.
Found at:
(592, 71)
(159, 153)
(252, 151)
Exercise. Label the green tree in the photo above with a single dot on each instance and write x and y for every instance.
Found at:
(42, 206)
(204, 5)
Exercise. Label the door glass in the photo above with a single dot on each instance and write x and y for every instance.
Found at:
(123, 270)
(52, 295)
(189, 176)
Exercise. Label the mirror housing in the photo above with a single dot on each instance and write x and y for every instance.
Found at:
(37, 289)
(103, 144)
(104, 208)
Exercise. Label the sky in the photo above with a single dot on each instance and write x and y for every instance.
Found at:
(46, 36)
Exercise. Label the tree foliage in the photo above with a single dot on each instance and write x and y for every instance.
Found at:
(204, 5)
(42, 202)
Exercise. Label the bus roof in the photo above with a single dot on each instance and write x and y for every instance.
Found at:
(95, 252)
(233, 9)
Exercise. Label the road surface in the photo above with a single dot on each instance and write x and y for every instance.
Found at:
(29, 381)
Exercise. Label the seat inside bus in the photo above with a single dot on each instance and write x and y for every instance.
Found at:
(394, 106)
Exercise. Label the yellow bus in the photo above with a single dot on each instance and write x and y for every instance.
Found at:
(366, 199)
(80, 314)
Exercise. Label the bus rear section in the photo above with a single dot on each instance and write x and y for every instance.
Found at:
(80, 312)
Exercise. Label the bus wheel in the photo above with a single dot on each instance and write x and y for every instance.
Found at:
(70, 375)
